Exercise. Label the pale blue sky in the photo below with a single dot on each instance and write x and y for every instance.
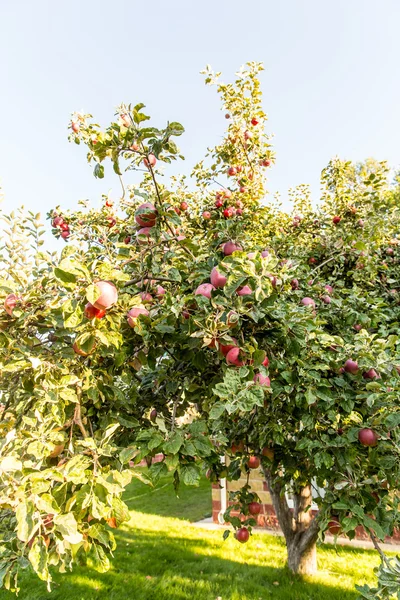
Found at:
(331, 84)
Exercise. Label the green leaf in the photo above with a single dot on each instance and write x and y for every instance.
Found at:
(99, 171)
(38, 558)
(97, 559)
(190, 474)
(25, 524)
(173, 445)
(68, 527)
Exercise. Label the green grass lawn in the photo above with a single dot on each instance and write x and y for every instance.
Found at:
(161, 556)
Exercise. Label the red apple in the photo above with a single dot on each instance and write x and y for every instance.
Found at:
(146, 297)
(64, 226)
(206, 215)
(225, 348)
(143, 235)
(389, 251)
(111, 221)
(244, 291)
(295, 284)
(357, 327)
(205, 290)
(150, 161)
(218, 203)
(367, 437)
(135, 313)
(237, 447)
(266, 162)
(229, 212)
(227, 116)
(326, 299)
(242, 535)
(308, 302)
(160, 291)
(268, 452)
(329, 289)
(127, 240)
(217, 280)
(184, 206)
(336, 220)
(312, 260)
(10, 303)
(233, 357)
(153, 415)
(239, 212)
(242, 190)
(146, 215)
(255, 508)
(370, 374)
(108, 295)
(75, 126)
(135, 147)
(351, 366)
(91, 312)
(254, 121)
(230, 247)
(264, 253)
(57, 221)
(65, 234)
(232, 171)
(334, 527)
(265, 362)
(253, 462)
(262, 380)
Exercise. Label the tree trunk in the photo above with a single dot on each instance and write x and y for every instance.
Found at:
(304, 563)
(299, 526)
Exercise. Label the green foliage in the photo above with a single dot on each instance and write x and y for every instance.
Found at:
(87, 396)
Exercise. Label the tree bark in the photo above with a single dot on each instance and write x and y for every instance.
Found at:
(299, 526)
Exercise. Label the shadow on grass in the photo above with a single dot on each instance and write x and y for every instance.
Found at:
(151, 565)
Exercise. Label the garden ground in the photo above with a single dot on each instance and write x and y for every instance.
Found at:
(161, 556)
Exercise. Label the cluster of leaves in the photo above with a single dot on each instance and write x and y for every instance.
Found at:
(85, 399)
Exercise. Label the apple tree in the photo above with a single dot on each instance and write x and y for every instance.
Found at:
(199, 321)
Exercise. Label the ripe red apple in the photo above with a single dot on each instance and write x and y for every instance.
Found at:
(244, 291)
(75, 126)
(308, 302)
(239, 212)
(127, 240)
(262, 380)
(370, 374)
(146, 297)
(336, 220)
(242, 535)
(57, 221)
(153, 415)
(268, 452)
(146, 215)
(143, 235)
(135, 313)
(389, 251)
(334, 527)
(254, 121)
(265, 362)
(135, 147)
(108, 295)
(205, 290)
(264, 253)
(232, 171)
(150, 161)
(242, 189)
(230, 247)
(227, 116)
(186, 314)
(367, 437)
(237, 447)
(184, 206)
(65, 234)
(206, 215)
(111, 221)
(217, 280)
(329, 289)
(233, 357)
(160, 291)
(295, 284)
(266, 162)
(253, 462)
(218, 203)
(10, 303)
(255, 508)
(351, 366)
(326, 299)
(225, 348)
(357, 327)
(91, 312)
(312, 260)
(229, 212)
